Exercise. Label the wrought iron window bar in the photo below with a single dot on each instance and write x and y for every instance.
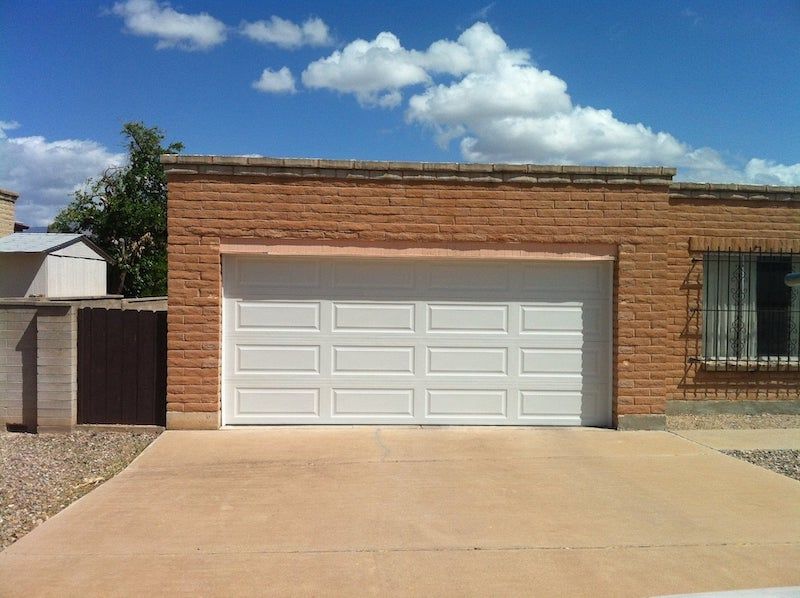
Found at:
(749, 319)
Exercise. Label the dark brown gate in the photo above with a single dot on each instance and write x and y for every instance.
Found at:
(122, 366)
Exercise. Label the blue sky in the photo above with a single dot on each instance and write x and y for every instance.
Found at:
(709, 87)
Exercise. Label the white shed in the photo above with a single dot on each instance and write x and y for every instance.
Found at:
(51, 265)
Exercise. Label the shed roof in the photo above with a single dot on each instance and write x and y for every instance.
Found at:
(44, 243)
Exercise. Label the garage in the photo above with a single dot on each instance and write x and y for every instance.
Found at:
(338, 340)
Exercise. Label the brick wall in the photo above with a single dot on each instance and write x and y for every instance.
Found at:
(726, 220)
(7, 200)
(230, 198)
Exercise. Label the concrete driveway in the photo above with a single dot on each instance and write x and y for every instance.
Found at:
(410, 511)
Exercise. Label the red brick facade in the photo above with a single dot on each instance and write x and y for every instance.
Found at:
(651, 223)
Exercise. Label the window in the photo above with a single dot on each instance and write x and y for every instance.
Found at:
(750, 316)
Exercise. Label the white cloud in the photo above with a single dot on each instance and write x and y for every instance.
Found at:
(172, 28)
(501, 107)
(506, 109)
(770, 173)
(288, 35)
(46, 173)
(281, 81)
(7, 125)
(375, 71)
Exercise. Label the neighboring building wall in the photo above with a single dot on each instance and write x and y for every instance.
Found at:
(23, 275)
(74, 271)
(75, 277)
(722, 218)
(7, 200)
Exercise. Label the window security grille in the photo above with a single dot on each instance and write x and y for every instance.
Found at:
(750, 318)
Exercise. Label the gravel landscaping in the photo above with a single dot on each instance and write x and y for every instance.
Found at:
(41, 474)
(784, 462)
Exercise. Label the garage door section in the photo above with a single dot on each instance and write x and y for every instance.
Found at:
(336, 341)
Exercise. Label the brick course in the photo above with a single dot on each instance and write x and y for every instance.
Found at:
(212, 198)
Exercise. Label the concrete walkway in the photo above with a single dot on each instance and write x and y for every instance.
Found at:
(745, 440)
(408, 511)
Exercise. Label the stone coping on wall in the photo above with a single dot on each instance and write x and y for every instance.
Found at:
(530, 174)
(716, 191)
(472, 172)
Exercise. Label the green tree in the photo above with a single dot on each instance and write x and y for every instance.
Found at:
(124, 212)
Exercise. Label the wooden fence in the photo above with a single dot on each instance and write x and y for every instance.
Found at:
(122, 366)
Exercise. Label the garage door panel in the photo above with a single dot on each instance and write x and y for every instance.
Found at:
(584, 361)
(369, 402)
(541, 361)
(584, 318)
(373, 317)
(377, 341)
(374, 276)
(291, 274)
(466, 403)
(467, 318)
(373, 360)
(579, 279)
(281, 401)
(277, 359)
(277, 316)
(565, 403)
(460, 361)
(450, 277)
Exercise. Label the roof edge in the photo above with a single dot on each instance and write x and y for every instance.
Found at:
(76, 239)
(420, 171)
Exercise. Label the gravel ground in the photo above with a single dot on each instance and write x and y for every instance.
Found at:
(731, 422)
(41, 474)
(783, 462)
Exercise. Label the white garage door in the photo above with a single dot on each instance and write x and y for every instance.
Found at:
(335, 341)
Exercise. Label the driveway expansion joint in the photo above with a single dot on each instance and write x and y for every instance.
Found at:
(432, 549)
